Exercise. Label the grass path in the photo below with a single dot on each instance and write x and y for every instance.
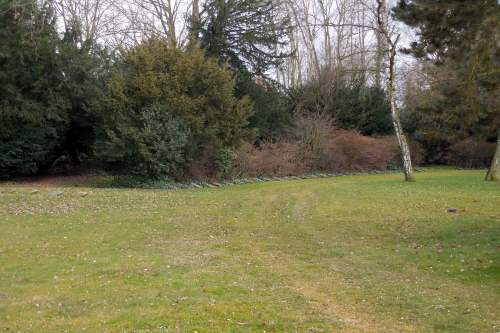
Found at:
(346, 254)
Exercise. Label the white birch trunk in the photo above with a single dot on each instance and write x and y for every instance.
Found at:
(391, 90)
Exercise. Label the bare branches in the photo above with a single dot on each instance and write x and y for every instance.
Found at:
(94, 19)
(340, 35)
(160, 18)
(125, 22)
(333, 35)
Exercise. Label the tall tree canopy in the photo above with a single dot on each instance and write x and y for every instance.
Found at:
(33, 109)
(252, 37)
(248, 34)
(86, 66)
(460, 39)
(50, 86)
(448, 28)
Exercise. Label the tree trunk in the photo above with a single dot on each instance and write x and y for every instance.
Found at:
(195, 20)
(172, 34)
(326, 34)
(380, 55)
(494, 171)
(391, 49)
(396, 120)
(379, 59)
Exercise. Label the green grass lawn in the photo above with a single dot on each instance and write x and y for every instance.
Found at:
(345, 254)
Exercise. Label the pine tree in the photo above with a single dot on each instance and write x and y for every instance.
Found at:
(86, 67)
(251, 37)
(245, 33)
(33, 110)
(463, 37)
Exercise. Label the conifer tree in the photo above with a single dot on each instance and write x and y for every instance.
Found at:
(462, 36)
(33, 110)
(245, 33)
(252, 37)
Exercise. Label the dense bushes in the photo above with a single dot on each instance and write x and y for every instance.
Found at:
(50, 85)
(357, 152)
(168, 107)
(315, 145)
(160, 109)
(345, 151)
(282, 158)
(470, 153)
(351, 101)
(271, 114)
(33, 109)
(157, 148)
(417, 151)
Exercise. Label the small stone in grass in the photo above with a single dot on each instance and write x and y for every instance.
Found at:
(34, 192)
(56, 193)
(83, 194)
(452, 210)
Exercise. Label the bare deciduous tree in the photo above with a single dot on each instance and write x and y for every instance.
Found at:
(166, 19)
(331, 35)
(95, 19)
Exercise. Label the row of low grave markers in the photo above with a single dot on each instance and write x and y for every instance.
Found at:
(237, 181)
(242, 181)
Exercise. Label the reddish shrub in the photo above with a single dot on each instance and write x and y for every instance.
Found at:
(315, 145)
(339, 152)
(416, 150)
(328, 156)
(200, 169)
(313, 130)
(361, 152)
(470, 153)
(270, 159)
(315, 134)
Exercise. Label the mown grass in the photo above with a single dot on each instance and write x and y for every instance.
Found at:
(346, 254)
